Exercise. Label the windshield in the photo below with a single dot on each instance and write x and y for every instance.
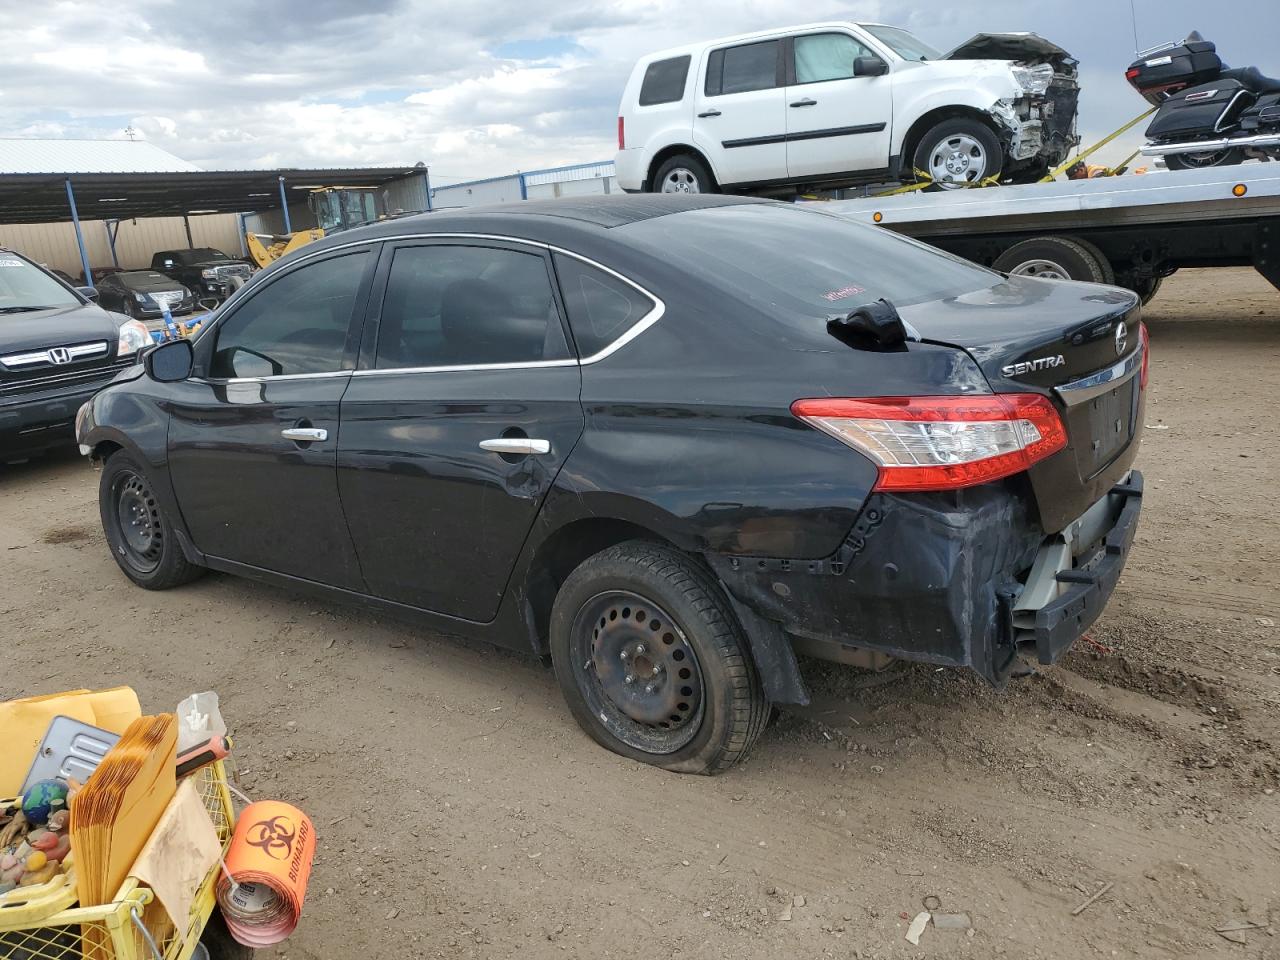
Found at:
(800, 264)
(25, 287)
(904, 43)
(202, 254)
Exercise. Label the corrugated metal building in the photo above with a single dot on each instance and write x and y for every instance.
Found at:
(54, 244)
(579, 179)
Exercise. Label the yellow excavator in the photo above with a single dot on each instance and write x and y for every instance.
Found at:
(335, 209)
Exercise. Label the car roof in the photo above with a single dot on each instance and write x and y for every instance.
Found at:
(538, 220)
(756, 35)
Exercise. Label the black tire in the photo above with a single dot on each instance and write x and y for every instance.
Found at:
(149, 552)
(641, 613)
(1199, 161)
(930, 158)
(217, 940)
(690, 170)
(1057, 258)
(1146, 288)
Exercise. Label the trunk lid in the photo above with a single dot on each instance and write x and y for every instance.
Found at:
(1076, 343)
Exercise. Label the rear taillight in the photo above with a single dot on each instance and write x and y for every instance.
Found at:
(1144, 339)
(622, 134)
(941, 443)
(1131, 73)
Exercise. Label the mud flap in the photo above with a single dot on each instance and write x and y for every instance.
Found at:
(775, 659)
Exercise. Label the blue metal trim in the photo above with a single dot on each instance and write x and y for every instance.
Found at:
(244, 248)
(426, 185)
(75, 220)
(524, 190)
(284, 206)
(567, 168)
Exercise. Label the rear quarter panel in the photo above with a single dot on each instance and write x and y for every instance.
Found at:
(650, 129)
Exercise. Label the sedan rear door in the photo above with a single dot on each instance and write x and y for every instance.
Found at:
(465, 406)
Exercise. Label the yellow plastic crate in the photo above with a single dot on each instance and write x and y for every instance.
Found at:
(115, 931)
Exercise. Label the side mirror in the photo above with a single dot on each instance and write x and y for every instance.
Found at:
(88, 293)
(869, 67)
(170, 362)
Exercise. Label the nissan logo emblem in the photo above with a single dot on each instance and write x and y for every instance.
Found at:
(1122, 337)
(60, 355)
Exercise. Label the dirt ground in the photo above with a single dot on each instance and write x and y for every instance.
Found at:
(462, 814)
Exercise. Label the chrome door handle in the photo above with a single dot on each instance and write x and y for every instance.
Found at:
(806, 102)
(518, 445)
(305, 434)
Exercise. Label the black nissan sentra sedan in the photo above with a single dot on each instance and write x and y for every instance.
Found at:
(669, 441)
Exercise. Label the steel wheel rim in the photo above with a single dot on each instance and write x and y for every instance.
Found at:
(637, 671)
(957, 160)
(1042, 269)
(681, 180)
(137, 519)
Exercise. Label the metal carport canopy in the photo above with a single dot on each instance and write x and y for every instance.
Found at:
(43, 197)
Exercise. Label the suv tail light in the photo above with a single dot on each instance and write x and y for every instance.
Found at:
(622, 134)
(1144, 339)
(941, 443)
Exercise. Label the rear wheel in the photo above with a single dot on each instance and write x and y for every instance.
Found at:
(139, 534)
(653, 663)
(959, 152)
(683, 173)
(1198, 161)
(1056, 258)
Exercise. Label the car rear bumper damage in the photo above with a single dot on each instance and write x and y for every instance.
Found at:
(964, 579)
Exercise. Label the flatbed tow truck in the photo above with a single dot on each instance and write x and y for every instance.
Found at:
(1131, 230)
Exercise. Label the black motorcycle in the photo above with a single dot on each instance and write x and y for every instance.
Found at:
(1210, 115)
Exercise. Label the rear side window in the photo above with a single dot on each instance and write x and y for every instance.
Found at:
(601, 307)
(449, 305)
(664, 81)
(752, 66)
(296, 324)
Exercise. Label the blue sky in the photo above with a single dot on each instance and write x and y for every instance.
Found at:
(477, 90)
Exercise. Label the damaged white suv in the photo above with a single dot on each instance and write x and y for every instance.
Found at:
(834, 104)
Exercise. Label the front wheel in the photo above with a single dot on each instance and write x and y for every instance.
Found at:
(959, 153)
(138, 532)
(683, 173)
(653, 663)
(1198, 161)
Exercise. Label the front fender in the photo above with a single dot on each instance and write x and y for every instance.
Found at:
(915, 98)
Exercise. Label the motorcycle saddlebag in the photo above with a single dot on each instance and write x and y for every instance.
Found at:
(1263, 115)
(1200, 112)
(1165, 72)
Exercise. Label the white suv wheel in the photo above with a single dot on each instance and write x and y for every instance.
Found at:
(681, 180)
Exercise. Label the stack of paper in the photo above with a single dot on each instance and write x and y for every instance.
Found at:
(25, 722)
(115, 813)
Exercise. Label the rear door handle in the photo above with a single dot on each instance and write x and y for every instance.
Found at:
(305, 434)
(709, 113)
(517, 445)
(806, 102)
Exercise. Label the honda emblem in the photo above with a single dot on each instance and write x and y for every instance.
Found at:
(59, 355)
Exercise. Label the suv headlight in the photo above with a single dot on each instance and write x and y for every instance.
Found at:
(140, 297)
(1034, 80)
(133, 337)
(209, 274)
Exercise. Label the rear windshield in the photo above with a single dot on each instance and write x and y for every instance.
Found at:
(798, 263)
(664, 81)
(25, 287)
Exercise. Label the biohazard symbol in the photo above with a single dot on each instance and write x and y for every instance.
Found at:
(274, 836)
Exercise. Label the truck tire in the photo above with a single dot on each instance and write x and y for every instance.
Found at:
(1147, 288)
(957, 152)
(653, 663)
(1055, 258)
(140, 536)
(683, 173)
